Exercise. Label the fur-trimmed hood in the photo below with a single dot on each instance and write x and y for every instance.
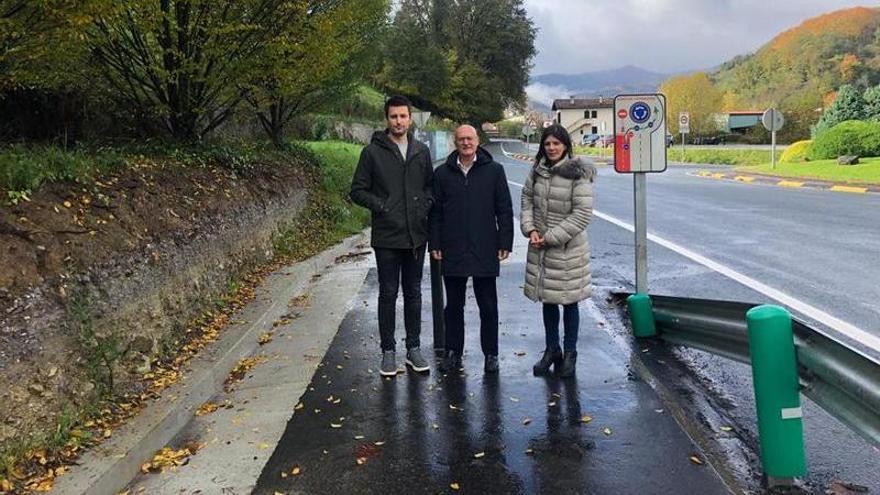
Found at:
(571, 168)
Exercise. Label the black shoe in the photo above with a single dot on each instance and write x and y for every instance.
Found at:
(569, 363)
(491, 365)
(452, 363)
(550, 358)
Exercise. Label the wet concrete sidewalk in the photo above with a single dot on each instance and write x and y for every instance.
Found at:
(603, 432)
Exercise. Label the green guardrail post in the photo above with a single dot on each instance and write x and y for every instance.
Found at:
(777, 395)
(641, 315)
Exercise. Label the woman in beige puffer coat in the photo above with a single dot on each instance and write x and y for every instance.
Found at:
(557, 205)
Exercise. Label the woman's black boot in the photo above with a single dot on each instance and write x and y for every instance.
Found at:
(550, 358)
(569, 363)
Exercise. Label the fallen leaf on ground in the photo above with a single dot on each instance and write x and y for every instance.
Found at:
(586, 419)
(726, 428)
(243, 367)
(514, 399)
(361, 461)
(479, 455)
(696, 460)
(335, 425)
(265, 338)
(296, 470)
(169, 458)
(454, 486)
(843, 488)
(606, 431)
(520, 353)
(551, 403)
(378, 444)
(207, 408)
(526, 421)
(530, 451)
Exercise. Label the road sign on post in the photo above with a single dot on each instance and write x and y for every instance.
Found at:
(639, 148)
(420, 119)
(529, 129)
(640, 133)
(773, 121)
(684, 122)
(684, 127)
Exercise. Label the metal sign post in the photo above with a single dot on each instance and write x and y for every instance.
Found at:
(773, 121)
(528, 130)
(420, 119)
(640, 148)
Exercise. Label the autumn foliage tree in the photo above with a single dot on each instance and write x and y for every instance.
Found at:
(188, 62)
(799, 67)
(41, 42)
(696, 94)
(317, 58)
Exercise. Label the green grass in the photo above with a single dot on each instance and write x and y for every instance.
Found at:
(363, 104)
(866, 172)
(23, 169)
(337, 161)
(330, 215)
(719, 156)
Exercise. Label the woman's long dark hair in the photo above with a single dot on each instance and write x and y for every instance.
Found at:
(559, 133)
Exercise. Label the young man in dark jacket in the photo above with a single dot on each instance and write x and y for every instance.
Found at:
(393, 180)
(471, 232)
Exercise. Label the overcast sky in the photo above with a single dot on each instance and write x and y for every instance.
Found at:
(660, 35)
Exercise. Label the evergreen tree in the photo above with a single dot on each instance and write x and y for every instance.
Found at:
(872, 103)
(849, 105)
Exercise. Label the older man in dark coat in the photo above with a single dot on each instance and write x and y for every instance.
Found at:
(471, 232)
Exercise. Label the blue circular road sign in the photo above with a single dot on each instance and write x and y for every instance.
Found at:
(640, 112)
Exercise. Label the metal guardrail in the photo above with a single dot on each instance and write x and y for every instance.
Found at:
(840, 379)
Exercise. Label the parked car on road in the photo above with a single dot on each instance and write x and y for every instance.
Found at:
(604, 141)
(589, 139)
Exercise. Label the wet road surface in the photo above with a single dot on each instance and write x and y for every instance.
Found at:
(603, 432)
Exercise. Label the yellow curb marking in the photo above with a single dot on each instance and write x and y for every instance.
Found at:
(743, 178)
(789, 183)
(850, 189)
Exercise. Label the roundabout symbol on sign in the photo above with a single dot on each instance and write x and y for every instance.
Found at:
(640, 112)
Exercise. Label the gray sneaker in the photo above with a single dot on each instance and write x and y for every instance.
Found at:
(415, 360)
(389, 364)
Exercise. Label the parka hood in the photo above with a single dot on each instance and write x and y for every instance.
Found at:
(574, 168)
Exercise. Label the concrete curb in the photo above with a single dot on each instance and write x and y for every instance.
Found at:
(110, 466)
(789, 182)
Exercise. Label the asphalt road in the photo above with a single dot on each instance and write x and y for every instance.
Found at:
(819, 248)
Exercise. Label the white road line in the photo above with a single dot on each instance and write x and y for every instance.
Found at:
(843, 327)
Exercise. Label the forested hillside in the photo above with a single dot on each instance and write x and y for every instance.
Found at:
(800, 69)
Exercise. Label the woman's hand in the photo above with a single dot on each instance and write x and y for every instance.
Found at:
(535, 239)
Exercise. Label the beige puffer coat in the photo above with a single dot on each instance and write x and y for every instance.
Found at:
(558, 203)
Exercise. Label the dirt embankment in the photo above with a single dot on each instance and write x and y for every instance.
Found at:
(119, 267)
